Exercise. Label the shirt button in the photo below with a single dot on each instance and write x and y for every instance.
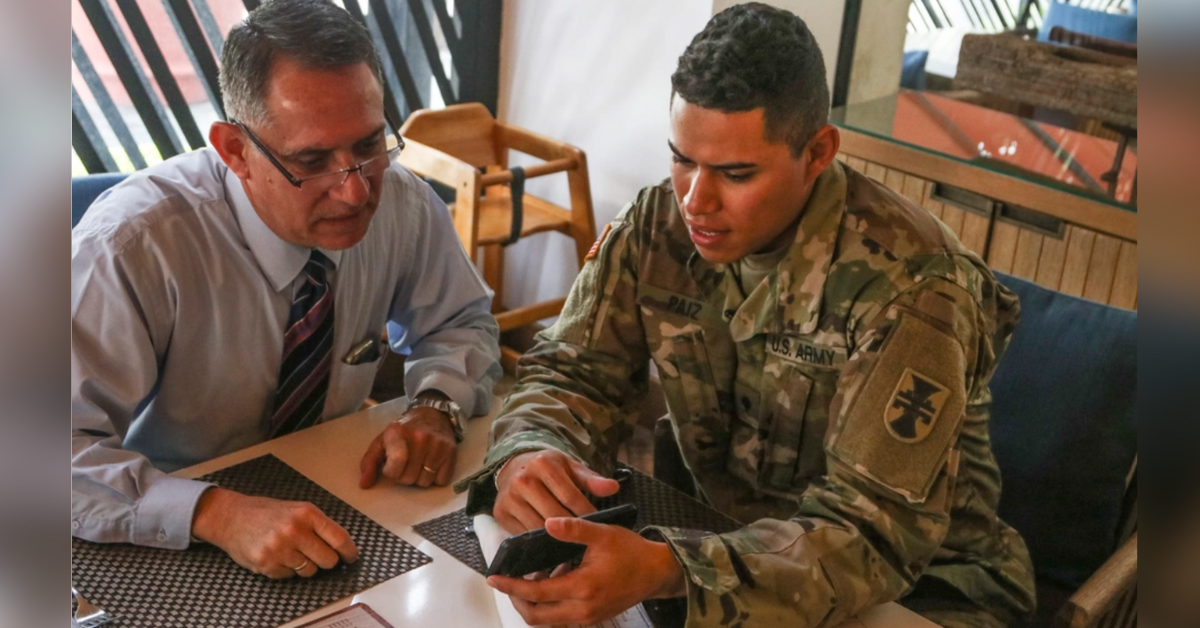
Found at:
(162, 535)
(74, 525)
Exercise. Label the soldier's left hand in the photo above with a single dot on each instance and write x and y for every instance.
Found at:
(417, 449)
(619, 570)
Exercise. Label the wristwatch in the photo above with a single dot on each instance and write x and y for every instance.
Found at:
(445, 406)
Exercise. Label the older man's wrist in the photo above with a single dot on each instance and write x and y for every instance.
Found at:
(434, 399)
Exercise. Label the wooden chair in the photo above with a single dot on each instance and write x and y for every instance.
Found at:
(465, 148)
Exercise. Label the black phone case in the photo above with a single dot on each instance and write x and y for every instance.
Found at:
(536, 550)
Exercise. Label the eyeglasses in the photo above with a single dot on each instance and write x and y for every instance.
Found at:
(330, 180)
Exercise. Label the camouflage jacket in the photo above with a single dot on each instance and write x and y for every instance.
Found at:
(840, 408)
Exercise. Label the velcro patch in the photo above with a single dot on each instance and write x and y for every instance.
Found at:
(802, 351)
(599, 241)
(899, 427)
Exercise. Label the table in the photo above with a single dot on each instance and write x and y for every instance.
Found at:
(445, 592)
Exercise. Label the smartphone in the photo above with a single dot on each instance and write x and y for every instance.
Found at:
(536, 550)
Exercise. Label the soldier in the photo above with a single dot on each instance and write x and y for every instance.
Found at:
(824, 346)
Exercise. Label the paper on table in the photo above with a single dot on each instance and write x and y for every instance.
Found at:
(358, 615)
(490, 536)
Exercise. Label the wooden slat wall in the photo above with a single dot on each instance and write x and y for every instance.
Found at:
(1082, 262)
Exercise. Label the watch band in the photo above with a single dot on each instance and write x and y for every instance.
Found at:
(447, 407)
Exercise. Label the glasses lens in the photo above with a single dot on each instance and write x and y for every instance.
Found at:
(379, 163)
(369, 168)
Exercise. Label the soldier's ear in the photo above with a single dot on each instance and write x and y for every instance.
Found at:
(821, 150)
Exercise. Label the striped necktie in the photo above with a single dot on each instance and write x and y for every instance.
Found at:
(307, 351)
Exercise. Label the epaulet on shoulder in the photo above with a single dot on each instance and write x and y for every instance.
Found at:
(650, 200)
(891, 221)
(656, 193)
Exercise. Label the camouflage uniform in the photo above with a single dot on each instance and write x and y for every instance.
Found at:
(841, 407)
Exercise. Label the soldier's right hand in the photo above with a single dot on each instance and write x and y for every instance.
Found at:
(537, 485)
(278, 539)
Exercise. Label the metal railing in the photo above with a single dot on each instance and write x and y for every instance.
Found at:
(145, 88)
(992, 15)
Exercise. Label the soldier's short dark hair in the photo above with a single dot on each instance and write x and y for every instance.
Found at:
(753, 55)
(317, 34)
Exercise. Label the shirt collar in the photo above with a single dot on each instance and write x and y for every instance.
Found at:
(280, 260)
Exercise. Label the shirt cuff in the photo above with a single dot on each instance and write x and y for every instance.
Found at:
(704, 557)
(451, 385)
(164, 513)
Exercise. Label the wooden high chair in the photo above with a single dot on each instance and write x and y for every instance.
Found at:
(465, 148)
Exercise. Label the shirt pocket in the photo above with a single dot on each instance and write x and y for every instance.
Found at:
(703, 427)
(783, 423)
(352, 387)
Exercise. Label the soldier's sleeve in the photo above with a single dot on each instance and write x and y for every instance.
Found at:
(863, 533)
(577, 388)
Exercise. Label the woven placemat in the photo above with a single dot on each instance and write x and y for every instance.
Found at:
(202, 586)
(455, 533)
(658, 504)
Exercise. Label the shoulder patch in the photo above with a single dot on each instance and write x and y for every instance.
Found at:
(599, 241)
(899, 426)
(913, 410)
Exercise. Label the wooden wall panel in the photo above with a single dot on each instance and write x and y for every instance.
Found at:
(1003, 247)
(1102, 268)
(915, 189)
(1027, 254)
(876, 171)
(953, 217)
(975, 233)
(1079, 254)
(1124, 290)
(1082, 262)
(1050, 266)
(894, 179)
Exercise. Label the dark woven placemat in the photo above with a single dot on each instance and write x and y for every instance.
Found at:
(202, 586)
(658, 504)
(450, 532)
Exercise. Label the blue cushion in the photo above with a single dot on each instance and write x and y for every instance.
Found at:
(1064, 428)
(85, 190)
(1089, 21)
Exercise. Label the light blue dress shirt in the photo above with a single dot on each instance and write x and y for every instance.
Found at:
(179, 298)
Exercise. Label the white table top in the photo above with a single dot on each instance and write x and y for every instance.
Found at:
(443, 593)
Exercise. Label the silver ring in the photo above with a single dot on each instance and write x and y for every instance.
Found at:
(302, 566)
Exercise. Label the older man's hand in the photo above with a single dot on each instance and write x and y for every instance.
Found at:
(419, 449)
(278, 539)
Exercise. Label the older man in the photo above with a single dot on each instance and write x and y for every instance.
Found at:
(238, 293)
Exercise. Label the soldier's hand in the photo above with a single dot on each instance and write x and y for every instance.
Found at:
(537, 485)
(417, 449)
(619, 569)
(275, 538)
